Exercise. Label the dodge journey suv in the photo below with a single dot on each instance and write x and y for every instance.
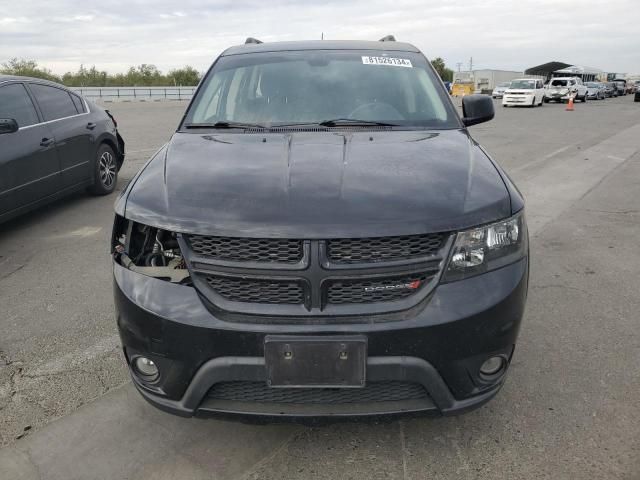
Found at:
(321, 237)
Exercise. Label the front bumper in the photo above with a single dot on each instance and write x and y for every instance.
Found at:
(440, 347)
(558, 96)
(517, 99)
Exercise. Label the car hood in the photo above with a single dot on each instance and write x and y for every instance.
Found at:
(318, 184)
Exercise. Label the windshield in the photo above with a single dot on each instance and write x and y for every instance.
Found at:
(559, 83)
(591, 84)
(504, 84)
(529, 84)
(279, 88)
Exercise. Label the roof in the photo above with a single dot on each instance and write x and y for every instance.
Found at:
(319, 45)
(6, 78)
(546, 68)
(573, 69)
(13, 78)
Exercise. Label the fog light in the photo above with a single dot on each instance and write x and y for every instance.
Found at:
(146, 368)
(492, 366)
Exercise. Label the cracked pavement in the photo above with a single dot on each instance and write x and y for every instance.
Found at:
(568, 409)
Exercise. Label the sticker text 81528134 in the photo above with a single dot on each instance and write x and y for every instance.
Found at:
(394, 62)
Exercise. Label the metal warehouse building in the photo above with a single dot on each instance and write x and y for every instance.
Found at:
(561, 69)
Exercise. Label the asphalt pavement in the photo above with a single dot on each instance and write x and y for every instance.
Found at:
(569, 408)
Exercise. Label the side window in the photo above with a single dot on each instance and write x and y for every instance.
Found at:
(54, 102)
(77, 101)
(15, 103)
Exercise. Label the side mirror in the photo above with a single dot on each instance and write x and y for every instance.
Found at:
(8, 125)
(477, 109)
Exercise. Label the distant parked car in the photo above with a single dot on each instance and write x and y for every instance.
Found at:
(561, 88)
(636, 97)
(621, 86)
(594, 91)
(52, 142)
(609, 89)
(527, 92)
(498, 92)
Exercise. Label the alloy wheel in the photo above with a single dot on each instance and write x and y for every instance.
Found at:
(107, 169)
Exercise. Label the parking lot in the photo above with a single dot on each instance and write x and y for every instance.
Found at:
(569, 408)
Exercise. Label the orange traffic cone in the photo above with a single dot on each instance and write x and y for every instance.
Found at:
(570, 104)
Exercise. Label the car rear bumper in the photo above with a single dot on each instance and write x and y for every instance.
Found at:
(211, 365)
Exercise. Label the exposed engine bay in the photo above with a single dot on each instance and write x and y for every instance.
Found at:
(150, 251)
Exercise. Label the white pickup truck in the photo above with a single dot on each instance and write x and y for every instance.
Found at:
(561, 88)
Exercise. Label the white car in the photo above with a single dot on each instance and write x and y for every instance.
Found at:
(524, 91)
(561, 88)
(498, 92)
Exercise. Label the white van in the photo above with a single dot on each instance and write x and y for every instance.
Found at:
(524, 91)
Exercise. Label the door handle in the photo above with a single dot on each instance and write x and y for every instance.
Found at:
(46, 142)
(91, 126)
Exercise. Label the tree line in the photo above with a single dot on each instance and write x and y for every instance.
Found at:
(144, 75)
(446, 74)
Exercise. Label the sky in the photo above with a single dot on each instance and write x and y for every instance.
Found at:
(506, 35)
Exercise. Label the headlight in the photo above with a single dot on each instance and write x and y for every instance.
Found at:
(149, 251)
(488, 248)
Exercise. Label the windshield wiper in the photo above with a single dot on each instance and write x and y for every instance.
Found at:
(338, 122)
(223, 124)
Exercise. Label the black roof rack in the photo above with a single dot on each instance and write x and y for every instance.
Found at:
(388, 38)
(252, 40)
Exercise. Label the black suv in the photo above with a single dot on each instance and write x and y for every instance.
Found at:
(321, 237)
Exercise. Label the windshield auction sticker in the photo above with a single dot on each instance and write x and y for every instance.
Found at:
(394, 62)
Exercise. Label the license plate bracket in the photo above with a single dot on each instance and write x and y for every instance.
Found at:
(315, 361)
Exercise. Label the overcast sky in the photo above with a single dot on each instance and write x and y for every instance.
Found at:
(509, 35)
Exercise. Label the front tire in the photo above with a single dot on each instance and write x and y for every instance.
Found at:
(105, 171)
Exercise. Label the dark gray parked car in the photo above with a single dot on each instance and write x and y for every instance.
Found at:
(52, 143)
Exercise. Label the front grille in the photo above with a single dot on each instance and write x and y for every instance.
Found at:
(273, 250)
(274, 278)
(380, 249)
(259, 392)
(257, 290)
(374, 290)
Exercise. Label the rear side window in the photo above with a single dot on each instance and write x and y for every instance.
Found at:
(77, 101)
(15, 103)
(54, 102)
